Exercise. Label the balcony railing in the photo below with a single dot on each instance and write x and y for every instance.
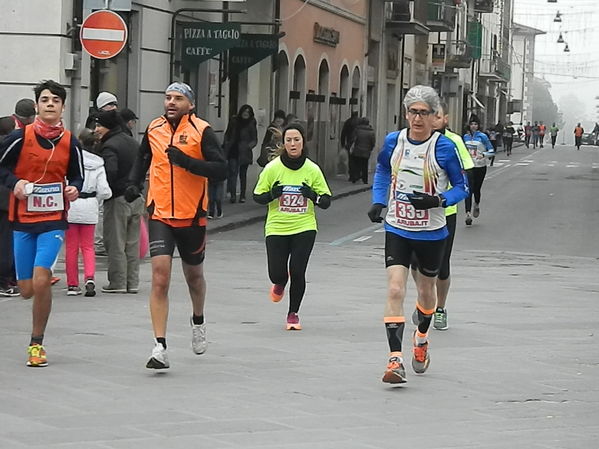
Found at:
(483, 5)
(460, 55)
(441, 15)
(403, 17)
(495, 69)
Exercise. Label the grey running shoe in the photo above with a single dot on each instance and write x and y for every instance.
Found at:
(415, 319)
(110, 289)
(468, 219)
(420, 359)
(440, 320)
(396, 373)
(199, 344)
(159, 358)
(476, 210)
(73, 290)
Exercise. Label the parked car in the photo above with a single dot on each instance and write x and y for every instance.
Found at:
(590, 139)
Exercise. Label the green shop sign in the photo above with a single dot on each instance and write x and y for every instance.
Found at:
(203, 41)
(251, 49)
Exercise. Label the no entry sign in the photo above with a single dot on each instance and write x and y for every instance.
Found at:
(103, 34)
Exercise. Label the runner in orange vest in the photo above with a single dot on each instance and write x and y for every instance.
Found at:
(34, 163)
(542, 130)
(181, 152)
(578, 132)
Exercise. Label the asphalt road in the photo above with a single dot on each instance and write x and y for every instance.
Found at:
(517, 368)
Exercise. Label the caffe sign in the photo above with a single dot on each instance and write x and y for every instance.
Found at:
(326, 36)
(201, 41)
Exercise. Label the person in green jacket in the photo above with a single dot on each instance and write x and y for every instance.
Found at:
(443, 280)
(291, 185)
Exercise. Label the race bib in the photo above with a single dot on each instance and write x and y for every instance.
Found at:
(46, 198)
(407, 215)
(292, 201)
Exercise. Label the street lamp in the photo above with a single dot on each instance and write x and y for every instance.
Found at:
(560, 39)
(558, 17)
(567, 49)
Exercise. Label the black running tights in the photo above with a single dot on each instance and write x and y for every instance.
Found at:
(288, 256)
(476, 176)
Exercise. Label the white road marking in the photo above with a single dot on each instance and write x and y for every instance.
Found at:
(354, 235)
(363, 238)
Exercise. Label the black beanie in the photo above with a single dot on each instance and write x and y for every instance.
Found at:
(109, 119)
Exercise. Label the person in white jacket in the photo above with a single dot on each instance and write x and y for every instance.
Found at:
(83, 217)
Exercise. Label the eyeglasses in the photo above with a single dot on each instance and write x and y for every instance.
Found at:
(421, 112)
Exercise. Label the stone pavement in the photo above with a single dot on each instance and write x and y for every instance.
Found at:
(518, 367)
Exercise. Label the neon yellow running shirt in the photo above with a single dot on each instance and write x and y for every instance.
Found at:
(291, 213)
(466, 159)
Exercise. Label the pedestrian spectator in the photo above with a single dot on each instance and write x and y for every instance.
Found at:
(272, 138)
(182, 153)
(415, 222)
(83, 217)
(553, 132)
(38, 202)
(362, 143)
(241, 137)
(24, 113)
(527, 134)
(508, 138)
(291, 118)
(291, 185)
(105, 101)
(129, 118)
(347, 131)
(535, 135)
(121, 218)
(8, 279)
(499, 130)
(578, 132)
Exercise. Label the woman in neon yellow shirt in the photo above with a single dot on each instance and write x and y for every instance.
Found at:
(291, 185)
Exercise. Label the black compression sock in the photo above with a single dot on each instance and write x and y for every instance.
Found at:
(162, 341)
(424, 322)
(37, 340)
(395, 335)
(197, 319)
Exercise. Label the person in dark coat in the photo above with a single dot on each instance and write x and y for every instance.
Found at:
(241, 137)
(347, 132)
(8, 278)
(121, 218)
(362, 143)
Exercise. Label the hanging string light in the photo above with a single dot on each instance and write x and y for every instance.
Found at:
(567, 49)
(551, 1)
(560, 39)
(558, 17)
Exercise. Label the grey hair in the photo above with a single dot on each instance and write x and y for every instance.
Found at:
(424, 94)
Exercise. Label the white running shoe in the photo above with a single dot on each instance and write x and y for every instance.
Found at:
(199, 344)
(159, 358)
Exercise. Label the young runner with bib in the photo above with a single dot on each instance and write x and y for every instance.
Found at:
(291, 185)
(34, 163)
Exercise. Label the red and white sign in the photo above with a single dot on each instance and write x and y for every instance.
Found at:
(103, 34)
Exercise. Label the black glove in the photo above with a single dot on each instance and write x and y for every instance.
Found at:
(375, 213)
(131, 193)
(178, 157)
(276, 190)
(421, 200)
(307, 192)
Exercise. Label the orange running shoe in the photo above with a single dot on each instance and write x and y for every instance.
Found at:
(54, 280)
(37, 356)
(420, 359)
(277, 292)
(396, 373)
(293, 322)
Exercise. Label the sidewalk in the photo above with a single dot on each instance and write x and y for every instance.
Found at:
(238, 214)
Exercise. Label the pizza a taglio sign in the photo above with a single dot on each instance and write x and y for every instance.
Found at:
(203, 41)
